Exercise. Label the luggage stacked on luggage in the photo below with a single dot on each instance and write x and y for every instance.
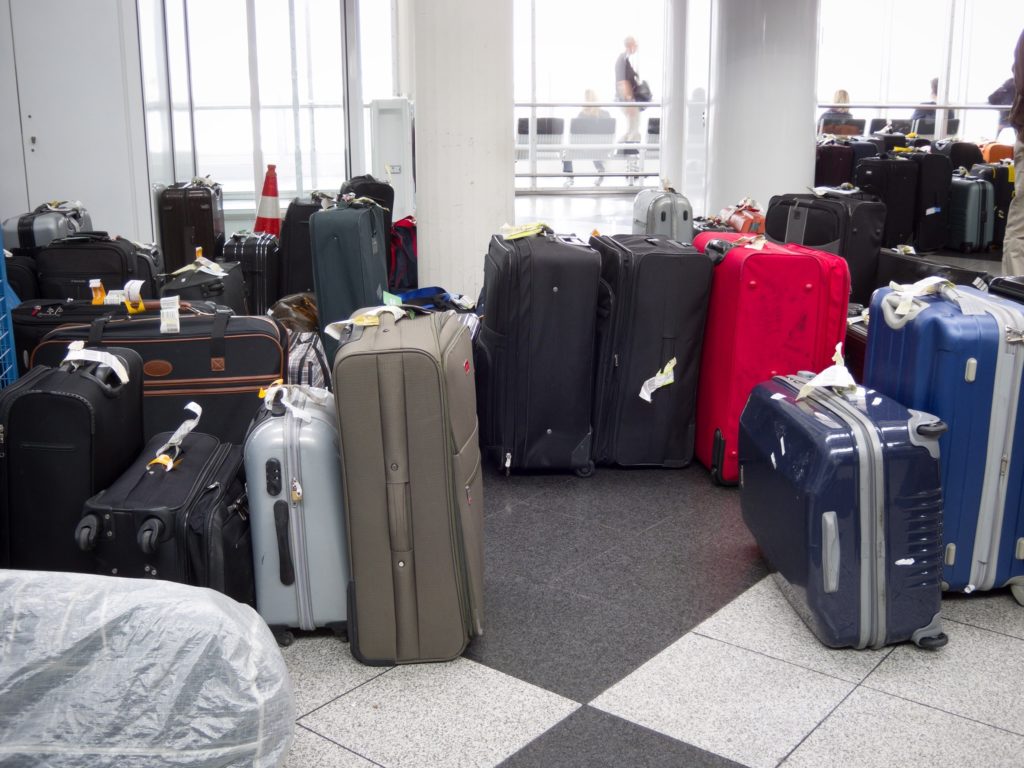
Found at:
(961, 154)
(892, 178)
(649, 349)
(994, 152)
(841, 491)
(774, 309)
(296, 251)
(66, 432)
(972, 217)
(50, 221)
(382, 193)
(412, 485)
(260, 257)
(835, 159)
(535, 352)
(205, 280)
(65, 267)
(296, 507)
(954, 352)
(191, 216)
(663, 212)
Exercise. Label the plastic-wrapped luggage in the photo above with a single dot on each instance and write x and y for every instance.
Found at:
(116, 672)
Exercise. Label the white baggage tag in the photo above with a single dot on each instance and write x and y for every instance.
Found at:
(170, 322)
(368, 318)
(77, 352)
(835, 376)
(662, 378)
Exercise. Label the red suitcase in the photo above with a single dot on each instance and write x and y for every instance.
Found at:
(775, 310)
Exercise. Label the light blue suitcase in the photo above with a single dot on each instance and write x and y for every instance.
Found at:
(960, 355)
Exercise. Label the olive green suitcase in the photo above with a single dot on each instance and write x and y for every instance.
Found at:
(413, 491)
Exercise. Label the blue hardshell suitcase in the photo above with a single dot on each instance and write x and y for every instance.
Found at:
(960, 356)
(842, 494)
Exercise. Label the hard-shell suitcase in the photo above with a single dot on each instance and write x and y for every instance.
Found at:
(260, 256)
(191, 216)
(907, 268)
(931, 214)
(833, 164)
(413, 488)
(538, 328)
(66, 432)
(47, 222)
(350, 262)
(972, 214)
(218, 361)
(65, 266)
(894, 181)
(842, 494)
(956, 354)
(775, 310)
(846, 224)
(296, 251)
(220, 282)
(1000, 176)
(993, 151)
(177, 513)
(21, 275)
(299, 544)
(649, 349)
(663, 212)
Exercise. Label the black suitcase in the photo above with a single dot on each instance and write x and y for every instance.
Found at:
(191, 216)
(999, 176)
(221, 283)
(833, 164)
(21, 275)
(66, 432)
(32, 320)
(658, 291)
(379, 191)
(931, 215)
(65, 266)
(850, 225)
(296, 252)
(260, 256)
(961, 154)
(221, 362)
(535, 352)
(908, 268)
(884, 142)
(178, 512)
(894, 181)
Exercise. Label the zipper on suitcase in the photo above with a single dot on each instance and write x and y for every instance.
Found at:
(296, 506)
(202, 482)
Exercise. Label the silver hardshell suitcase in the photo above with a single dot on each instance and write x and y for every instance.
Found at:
(299, 542)
(46, 223)
(663, 212)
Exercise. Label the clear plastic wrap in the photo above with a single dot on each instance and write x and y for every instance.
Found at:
(99, 671)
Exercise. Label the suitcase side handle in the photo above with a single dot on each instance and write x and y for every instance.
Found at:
(829, 552)
(284, 549)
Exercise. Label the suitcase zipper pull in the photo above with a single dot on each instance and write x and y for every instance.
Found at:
(296, 491)
(508, 463)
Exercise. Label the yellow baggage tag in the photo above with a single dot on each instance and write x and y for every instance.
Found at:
(99, 293)
(133, 297)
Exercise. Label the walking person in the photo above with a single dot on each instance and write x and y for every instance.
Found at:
(1013, 242)
(626, 83)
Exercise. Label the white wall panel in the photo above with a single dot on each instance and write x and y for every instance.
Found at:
(14, 187)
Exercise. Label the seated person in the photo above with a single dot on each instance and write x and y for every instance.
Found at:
(590, 96)
(837, 113)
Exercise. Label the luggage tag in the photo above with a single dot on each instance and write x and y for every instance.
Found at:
(168, 455)
(835, 377)
(509, 232)
(662, 378)
(133, 296)
(170, 322)
(370, 317)
(99, 294)
(77, 352)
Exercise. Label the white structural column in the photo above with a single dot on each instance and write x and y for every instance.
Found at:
(673, 112)
(762, 99)
(464, 132)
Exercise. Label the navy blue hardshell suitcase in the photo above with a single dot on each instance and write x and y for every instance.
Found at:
(842, 495)
(959, 355)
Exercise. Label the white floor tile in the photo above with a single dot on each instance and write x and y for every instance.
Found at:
(322, 668)
(762, 620)
(874, 730)
(997, 611)
(737, 703)
(310, 750)
(979, 675)
(455, 714)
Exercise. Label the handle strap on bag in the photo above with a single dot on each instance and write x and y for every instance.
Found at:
(835, 377)
(168, 453)
(368, 317)
(288, 395)
(77, 353)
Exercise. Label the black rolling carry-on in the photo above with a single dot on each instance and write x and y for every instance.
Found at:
(219, 282)
(649, 349)
(833, 164)
(931, 214)
(535, 352)
(179, 512)
(894, 181)
(21, 275)
(296, 251)
(191, 216)
(961, 154)
(260, 256)
(66, 266)
(220, 362)
(848, 225)
(65, 433)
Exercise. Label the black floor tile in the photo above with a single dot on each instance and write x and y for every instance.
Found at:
(574, 646)
(595, 739)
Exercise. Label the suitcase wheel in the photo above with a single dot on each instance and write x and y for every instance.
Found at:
(933, 642)
(340, 630)
(86, 532)
(283, 636)
(149, 535)
(586, 471)
(1018, 592)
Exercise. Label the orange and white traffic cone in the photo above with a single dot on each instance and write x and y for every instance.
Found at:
(268, 215)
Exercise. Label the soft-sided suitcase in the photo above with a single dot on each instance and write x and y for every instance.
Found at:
(350, 255)
(403, 268)
(21, 275)
(221, 282)
(663, 212)
(66, 266)
(299, 545)
(907, 268)
(856, 347)
(993, 152)
(885, 142)
(774, 310)
(47, 222)
(1000, 176)
(845, 224)
(931, 213)
(218, 361)
(66, 432)
(382, 193)
(961, 154)
(177, 513)
(296, 252)
(538, 328)
(413, 488)
(191, 216)
(833, 164)
(957, 354)
(649, 349)
(260, 256)
(972, 214)
(894, 181)
(842, 494)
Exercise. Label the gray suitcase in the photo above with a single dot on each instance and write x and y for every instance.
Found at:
(413, 488)
(972, 214)
(663, 212)
(47, 222)
(295, 505)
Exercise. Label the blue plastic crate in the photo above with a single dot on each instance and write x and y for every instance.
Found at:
(8, 355)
